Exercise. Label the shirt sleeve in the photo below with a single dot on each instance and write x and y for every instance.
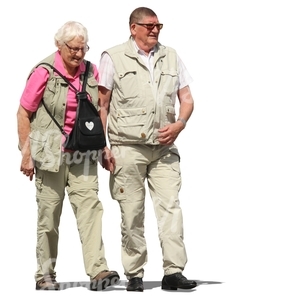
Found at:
(34, 89)
(96, 72)
(106, 71)
(184, 77)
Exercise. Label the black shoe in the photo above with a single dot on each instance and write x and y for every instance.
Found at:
(135, 284)
(177, 281)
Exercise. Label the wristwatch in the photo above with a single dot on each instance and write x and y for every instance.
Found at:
(182, 120)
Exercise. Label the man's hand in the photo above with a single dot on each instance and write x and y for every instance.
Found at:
(107, 160)
(169, 133)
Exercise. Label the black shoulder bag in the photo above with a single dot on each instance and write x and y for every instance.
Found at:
(87, 133)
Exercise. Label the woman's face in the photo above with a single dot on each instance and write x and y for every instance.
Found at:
(73, 52)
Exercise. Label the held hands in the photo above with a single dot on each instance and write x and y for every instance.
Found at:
(170, 132)
(107, 160)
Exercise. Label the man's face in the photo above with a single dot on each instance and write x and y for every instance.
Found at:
(146, 32)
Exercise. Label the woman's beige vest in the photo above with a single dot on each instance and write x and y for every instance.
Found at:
(139, 105)
(45, 136)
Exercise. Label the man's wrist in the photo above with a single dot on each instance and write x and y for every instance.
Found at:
(183, 121)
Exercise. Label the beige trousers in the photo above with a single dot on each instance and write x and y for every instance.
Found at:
(159, 166)
(78, 176)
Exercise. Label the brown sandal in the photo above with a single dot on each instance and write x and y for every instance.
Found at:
(47, 283)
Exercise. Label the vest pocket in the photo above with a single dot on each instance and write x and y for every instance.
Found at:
(50, 89)
(131, 123)
(92, 82)
(45, 147)
(128, 85)
(170, 114)
(169, 81)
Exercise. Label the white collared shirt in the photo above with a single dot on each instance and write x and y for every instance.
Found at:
(107, 70)
(147, 59)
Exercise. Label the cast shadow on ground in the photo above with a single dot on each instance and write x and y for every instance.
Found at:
(121, 286)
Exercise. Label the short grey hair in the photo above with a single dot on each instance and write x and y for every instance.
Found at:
(69, 31)
(139, 13)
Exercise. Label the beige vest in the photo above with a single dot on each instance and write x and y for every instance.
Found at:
(140, 106)
(45, 136)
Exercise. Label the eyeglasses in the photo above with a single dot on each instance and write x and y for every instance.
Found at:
(76, 49)
(150, 26)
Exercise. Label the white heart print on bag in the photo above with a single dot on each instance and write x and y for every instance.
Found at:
(89, 125)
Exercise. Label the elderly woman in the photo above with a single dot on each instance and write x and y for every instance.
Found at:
(56, 169)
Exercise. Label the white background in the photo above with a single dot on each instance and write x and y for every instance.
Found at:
(240, 150)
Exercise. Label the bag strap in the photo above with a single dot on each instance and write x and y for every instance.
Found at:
(60, 74)
(85, 78)
(86, 75)
(87, 67)
(82, 96)
(52, 117)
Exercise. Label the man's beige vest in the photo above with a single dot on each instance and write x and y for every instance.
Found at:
(139, 105)
(45, 136)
